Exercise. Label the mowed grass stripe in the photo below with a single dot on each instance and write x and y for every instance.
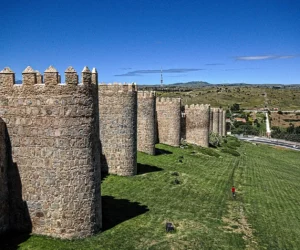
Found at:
(273, 211)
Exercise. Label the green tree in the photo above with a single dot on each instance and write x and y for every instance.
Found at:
(290, 129)
(235, 107)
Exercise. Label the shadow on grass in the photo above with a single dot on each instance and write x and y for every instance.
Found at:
(159, 151)
(212, 146)
(144, 168)
(104, 176)
(11, 241)
(116, 211)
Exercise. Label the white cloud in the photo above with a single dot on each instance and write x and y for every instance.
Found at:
(265, 57)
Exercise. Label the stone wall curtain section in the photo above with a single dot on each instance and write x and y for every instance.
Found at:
(118, 128)
(55, 147)
(168, 115)
(146, 126)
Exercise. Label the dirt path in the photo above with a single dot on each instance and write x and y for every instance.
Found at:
(236, 222)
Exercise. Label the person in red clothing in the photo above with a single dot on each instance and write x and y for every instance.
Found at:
(233, 191)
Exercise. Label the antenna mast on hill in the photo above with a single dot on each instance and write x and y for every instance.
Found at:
(161, 78)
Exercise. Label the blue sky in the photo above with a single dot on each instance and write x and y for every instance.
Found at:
(253, 41)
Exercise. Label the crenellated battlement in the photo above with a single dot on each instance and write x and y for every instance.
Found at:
(168, 100)
(215, 109)
(6, 70)
(7, 77)
(118, 87)
(197, 106)
(146, 94)
(51, 77)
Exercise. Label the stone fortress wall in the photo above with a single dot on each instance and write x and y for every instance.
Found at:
(168, 113)
(197, 121)
(58, 134)
(4, 195)
(146, 125)
(118, 128)
(55, 158)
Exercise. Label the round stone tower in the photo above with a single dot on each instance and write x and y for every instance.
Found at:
(215, 118)
(197, 124)
(55, 154)
(168, 114)
(146, 122)
(118, 128)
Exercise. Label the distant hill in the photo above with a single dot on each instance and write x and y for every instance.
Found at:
(193, 84)
(200, 84)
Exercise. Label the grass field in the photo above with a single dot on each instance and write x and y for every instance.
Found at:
(248, 97)
(264, 215)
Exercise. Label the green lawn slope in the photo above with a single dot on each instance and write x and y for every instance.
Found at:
(191, 187)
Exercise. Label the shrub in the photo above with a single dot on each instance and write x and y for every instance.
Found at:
(205, 151)
(209, 151)
(245, 129)
(215, 139)
(230, 151)
(234, 144)
(231, 147)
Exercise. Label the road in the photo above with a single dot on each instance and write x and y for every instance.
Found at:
(275, 142)
(268, 130)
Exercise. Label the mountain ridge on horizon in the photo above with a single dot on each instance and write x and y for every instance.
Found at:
(197, 84)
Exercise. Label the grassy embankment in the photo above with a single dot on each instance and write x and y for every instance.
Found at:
(265, 214)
